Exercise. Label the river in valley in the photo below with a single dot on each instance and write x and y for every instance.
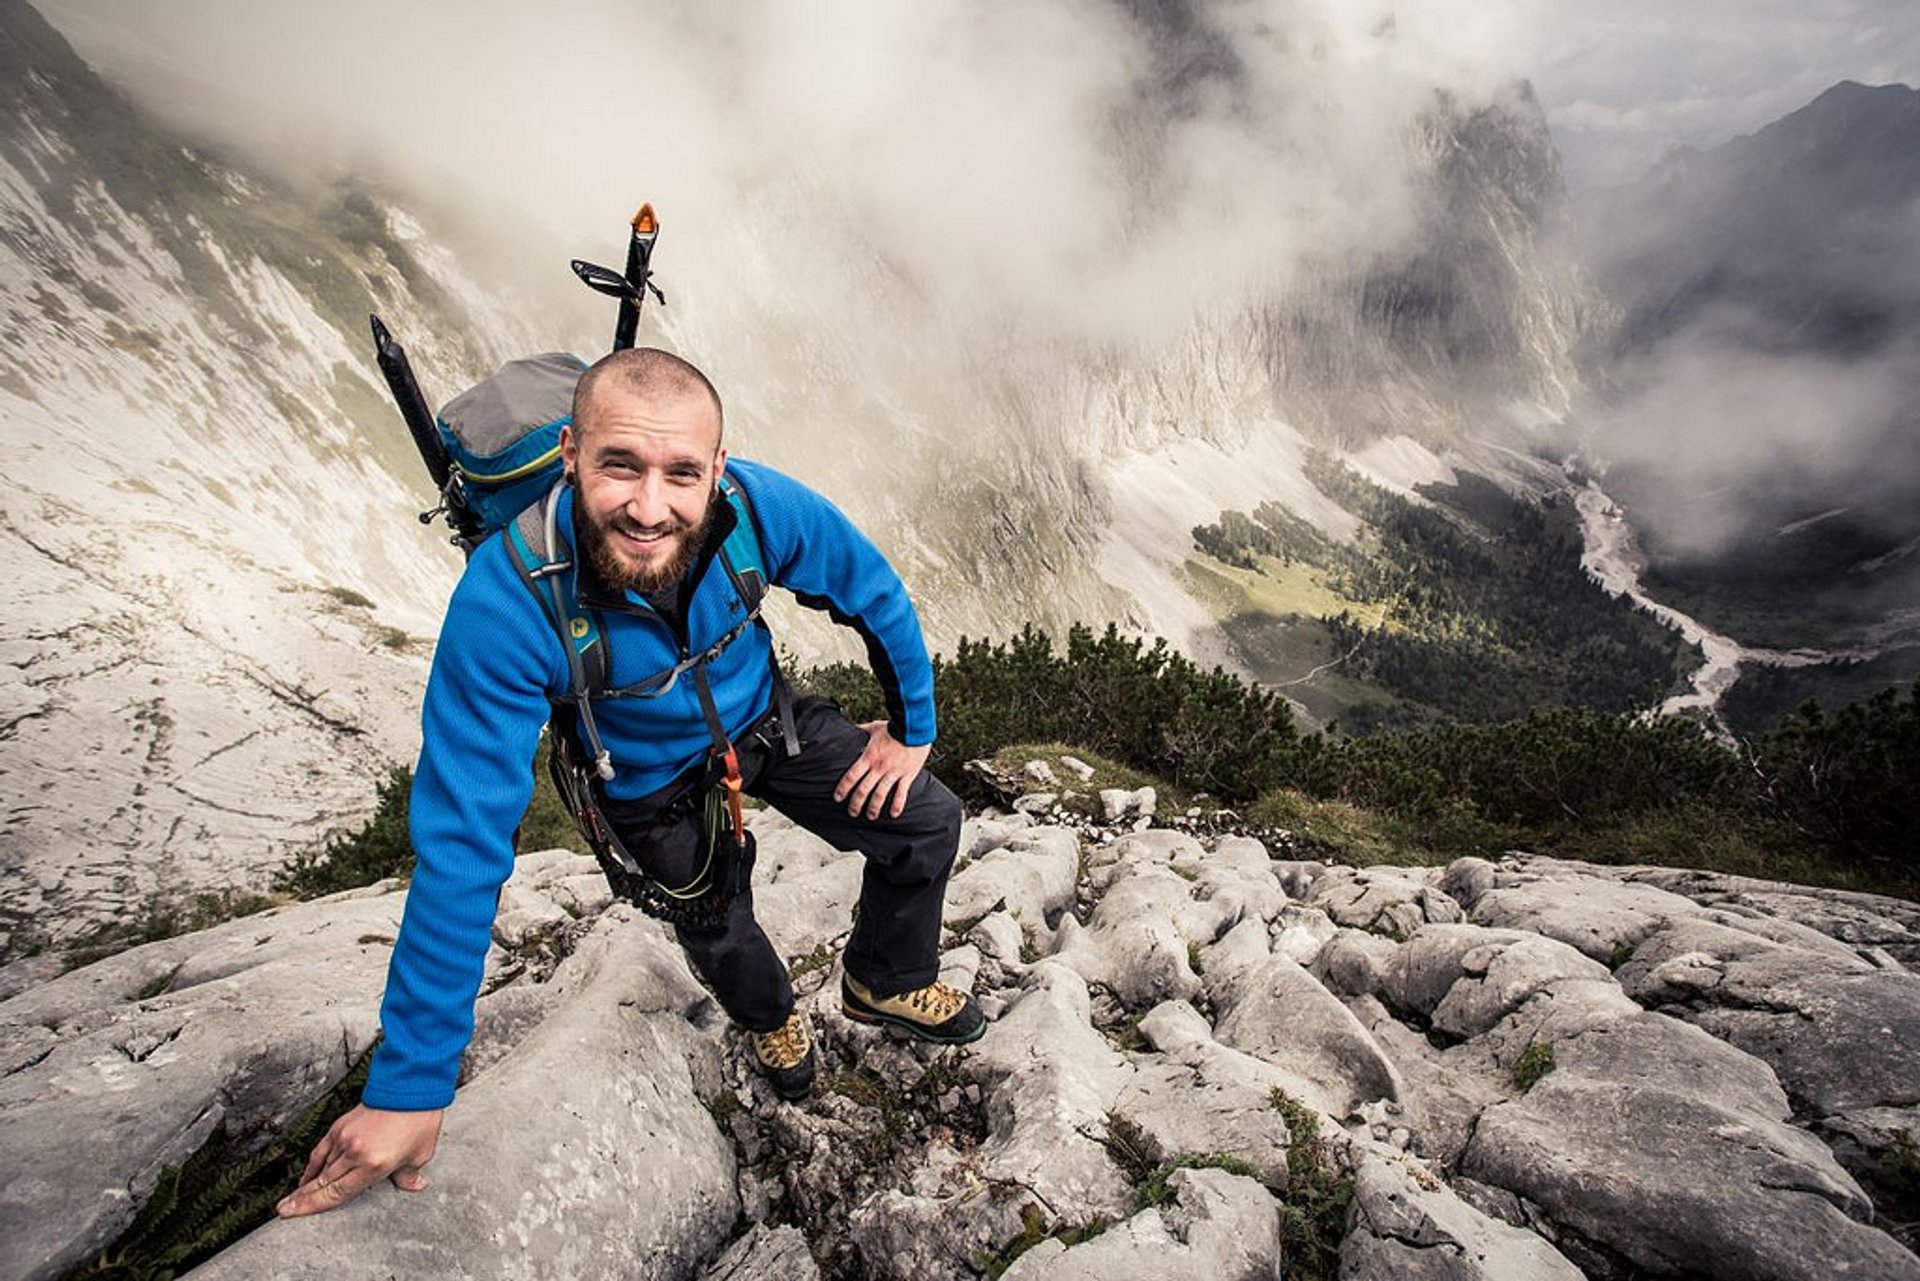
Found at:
(1613, 557)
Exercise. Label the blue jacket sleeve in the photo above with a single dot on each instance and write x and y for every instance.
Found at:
(815, 552)
(486, 702)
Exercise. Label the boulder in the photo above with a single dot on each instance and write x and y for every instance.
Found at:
(1394, 901)
(545, 1170)
(1791, 1006)
(1676, 1184)
(1213, 1224)
(1276, 1011)
(129, 1065)
(1406, 1225)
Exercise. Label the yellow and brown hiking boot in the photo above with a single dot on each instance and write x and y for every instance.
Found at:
(936, 1012)
(785, 1056)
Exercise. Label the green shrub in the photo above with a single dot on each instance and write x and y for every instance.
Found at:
(1533, 1064)
(1313, 1220)
(381, 848)
(1143, 705)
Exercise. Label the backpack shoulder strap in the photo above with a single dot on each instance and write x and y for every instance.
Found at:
(533, 543)
(741, 553)
(746, 564)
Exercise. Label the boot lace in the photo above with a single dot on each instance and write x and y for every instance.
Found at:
(936, 1001)
(784, 1047)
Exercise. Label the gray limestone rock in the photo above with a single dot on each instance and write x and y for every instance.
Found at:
(1276, 1011)
(1659, 1014)
(1051, 1081)
(1406, 1225)
(765, 1254)
(545, 1170)
(1032, 877)
(1791, 1007)
(1215, 1225)
(1604, 919)
(1394, 901)
(128, 1065)
(1676, 1184)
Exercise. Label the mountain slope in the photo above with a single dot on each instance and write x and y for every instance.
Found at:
(205, 492)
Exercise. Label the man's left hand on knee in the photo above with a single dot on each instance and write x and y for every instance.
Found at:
(886, 769)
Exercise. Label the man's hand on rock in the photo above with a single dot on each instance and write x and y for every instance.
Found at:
(364, 1146)
(885, 769)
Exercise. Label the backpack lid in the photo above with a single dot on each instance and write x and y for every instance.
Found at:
(534, 391)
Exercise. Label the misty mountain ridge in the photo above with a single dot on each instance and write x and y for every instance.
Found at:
(1757, 404)
(1795, 238)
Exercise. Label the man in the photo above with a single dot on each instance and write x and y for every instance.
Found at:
(643, 524)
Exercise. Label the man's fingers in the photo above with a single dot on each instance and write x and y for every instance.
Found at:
(322, 1153)
(855, 772)
(410, 1178)
(338, 1183)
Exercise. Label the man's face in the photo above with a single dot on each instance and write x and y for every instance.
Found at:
(644, 469)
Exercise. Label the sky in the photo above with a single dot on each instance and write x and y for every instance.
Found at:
(1173, 150)
(1622, 82)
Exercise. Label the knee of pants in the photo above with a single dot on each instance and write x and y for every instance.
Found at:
(937, 835)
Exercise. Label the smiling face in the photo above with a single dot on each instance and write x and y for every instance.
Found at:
(644, 465)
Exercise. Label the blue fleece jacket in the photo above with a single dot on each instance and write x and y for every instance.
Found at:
(497, 666)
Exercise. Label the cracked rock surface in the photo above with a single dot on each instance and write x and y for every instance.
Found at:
(1524, 1069)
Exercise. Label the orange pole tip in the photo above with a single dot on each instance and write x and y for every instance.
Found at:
(644, 223)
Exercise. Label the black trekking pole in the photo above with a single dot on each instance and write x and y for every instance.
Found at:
(632, 287)
(392, 358)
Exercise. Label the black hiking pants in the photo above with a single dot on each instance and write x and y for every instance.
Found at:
(895, 945)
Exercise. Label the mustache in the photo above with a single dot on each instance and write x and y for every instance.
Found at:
(672, 525)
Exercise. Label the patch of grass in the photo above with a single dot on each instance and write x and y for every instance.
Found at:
(379, 940)
(1342, 831)
(546, 825)
(1141, 1164)
(818, 959)
(722, 1107)
(863, 1086)
(347, 596)
(381, 848)
(1128, 1037)
(1313, 1220)
(394, 638)
(1035, 1228)
(1153, 1192)
(1011, 761)
(163, 919)
(160, 983)
(1701, 836)
(1533, 1064)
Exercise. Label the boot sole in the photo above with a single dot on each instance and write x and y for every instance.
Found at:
(919, 1032)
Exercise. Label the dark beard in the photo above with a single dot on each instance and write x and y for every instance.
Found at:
(598, 544)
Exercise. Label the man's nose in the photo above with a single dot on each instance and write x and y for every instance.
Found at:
(647, 501)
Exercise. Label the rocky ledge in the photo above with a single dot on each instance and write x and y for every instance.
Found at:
(1204, 1061)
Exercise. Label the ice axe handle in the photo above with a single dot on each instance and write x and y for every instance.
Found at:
(392, 358)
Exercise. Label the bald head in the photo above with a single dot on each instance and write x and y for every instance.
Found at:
(647, 372)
